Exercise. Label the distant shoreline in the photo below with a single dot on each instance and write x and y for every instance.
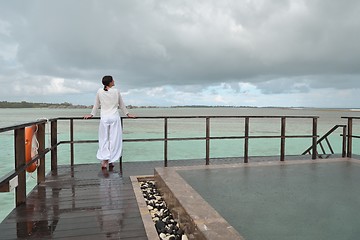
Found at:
(24, 104)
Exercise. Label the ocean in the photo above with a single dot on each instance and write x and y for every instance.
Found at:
(192, 127)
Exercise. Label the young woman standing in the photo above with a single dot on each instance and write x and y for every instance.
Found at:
(109, 100)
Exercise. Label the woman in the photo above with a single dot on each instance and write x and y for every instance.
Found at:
(110, 130)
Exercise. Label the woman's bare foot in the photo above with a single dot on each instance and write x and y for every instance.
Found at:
(104, 164)
(111, 166)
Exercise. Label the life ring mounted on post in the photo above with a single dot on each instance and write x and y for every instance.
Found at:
(31, 147)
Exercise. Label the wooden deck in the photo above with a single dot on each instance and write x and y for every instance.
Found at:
(83, 202)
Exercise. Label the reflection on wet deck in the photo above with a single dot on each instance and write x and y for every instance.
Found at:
(80, 202)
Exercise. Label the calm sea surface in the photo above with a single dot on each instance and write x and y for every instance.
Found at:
(149, 128)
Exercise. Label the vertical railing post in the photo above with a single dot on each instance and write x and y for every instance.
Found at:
(344, 142)
(54, 147)
(207, 141)
(41, 139)
(20, 193)
(314, 139)
(120, 160)
(246, 141)
(349, 137)
(71, 141)
(282, 141)
(165, 142)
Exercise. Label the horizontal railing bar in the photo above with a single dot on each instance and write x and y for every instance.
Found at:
(81, 141)
(7, 177)
(23, 125)
(14, 127)
(13, 174)
(188, 138)
(351, 117)
(181, 117)
(287, 136)
(37, 157)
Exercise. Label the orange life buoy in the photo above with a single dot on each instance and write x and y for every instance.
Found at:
(30, 149)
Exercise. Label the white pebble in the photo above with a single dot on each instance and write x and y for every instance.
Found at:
(158, 209)
(162, 236)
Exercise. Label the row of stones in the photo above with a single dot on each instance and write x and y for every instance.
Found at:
(165, 224)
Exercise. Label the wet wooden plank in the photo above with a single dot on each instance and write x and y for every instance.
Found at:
(82, 202)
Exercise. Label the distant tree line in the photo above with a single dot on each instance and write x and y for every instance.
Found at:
(211, 106)
(24, 104)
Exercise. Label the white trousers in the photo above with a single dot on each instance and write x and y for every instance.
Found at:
(110, 138)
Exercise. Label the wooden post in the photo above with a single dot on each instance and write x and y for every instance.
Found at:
(283, 131)
(54, 147)
(165, 142)
(20, 193)
(71, 141)
(314, 140)
(344, 142)
(349, 137)
(246, 141)
(120, 160)
(207, 141)
(41, 139)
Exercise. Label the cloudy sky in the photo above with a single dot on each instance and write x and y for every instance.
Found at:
(183, 52)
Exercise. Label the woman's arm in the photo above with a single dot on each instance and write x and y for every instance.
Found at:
(95, 107)
(123, 107)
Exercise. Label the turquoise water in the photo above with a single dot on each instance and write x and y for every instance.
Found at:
(287, 202)
(147, 128)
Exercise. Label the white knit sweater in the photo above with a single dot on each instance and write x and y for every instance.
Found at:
(109, 102)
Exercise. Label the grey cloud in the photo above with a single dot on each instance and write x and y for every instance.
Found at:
(282, 85)
(345, 81)
(303, 84)
(181, 43)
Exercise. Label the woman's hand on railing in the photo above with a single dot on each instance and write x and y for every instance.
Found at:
(88, 116)
(130, 115)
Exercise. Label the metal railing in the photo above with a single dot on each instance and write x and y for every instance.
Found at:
(17, 177)
(207, 137)
(19, 173)
(350, 135)
(326, 139)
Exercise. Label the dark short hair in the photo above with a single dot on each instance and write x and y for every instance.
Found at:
(106, 80)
